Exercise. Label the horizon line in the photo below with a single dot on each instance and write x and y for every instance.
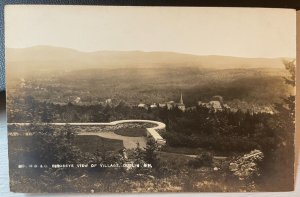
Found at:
(143, 51)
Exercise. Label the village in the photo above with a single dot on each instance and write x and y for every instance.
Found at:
(83, 98)
(215, 104)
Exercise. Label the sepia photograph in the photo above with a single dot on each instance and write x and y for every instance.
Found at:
(111, 99)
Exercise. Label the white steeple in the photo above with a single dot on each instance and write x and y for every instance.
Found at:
(181, 100)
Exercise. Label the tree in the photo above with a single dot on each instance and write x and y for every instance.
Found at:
(138, 156)
(280, 164)
(54, 145)
(151, 156)
(46, 114)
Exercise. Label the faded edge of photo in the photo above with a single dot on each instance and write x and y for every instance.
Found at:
(297, 134)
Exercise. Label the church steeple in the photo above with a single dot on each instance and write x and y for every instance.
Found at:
(181, 100)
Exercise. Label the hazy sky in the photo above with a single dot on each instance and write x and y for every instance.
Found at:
(205, 31)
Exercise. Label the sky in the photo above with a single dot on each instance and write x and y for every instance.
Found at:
(241, 32)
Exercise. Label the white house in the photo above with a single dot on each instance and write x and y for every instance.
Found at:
(142, 105)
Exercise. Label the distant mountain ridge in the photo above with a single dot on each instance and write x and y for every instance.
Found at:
(48, 57)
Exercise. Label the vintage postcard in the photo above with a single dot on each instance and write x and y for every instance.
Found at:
(150, 99)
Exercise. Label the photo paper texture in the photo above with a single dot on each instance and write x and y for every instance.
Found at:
(150, 99)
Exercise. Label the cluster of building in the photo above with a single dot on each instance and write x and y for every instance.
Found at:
(169, 105)
(216, 104)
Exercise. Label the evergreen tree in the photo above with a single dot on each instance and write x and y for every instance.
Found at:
(279, 166)
(138, 155)
(151, 156)
(54, 145)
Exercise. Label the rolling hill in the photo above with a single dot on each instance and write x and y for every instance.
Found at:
(40, 58)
